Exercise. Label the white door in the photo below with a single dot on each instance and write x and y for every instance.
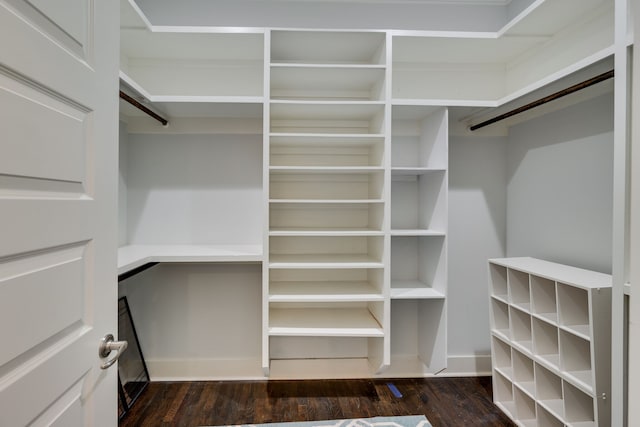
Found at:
(58, 150)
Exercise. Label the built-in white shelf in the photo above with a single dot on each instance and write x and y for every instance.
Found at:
(550, 327)
(324, 261)
(327, 291)
(282, 170)
(414, 290)
(416, 232)
(293, 138)
(131, 257)
(318, 231)
(324, 322)
(327, 201)
(409, 171)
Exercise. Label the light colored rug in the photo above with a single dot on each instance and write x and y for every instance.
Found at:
(402, 421)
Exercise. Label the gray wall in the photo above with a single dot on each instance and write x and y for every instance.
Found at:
(560, 184)
(477, 232)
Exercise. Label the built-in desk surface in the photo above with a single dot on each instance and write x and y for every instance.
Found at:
(134, 256)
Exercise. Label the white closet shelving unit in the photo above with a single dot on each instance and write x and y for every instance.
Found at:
(418, 265)
(327, 205)
(347, 207)
(551, 342)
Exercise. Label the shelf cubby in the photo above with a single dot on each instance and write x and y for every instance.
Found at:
(525, 407)
(328, 117)
(500, 317)
(545, 342)
(549, 391)
(521, 329)
(327, 82)
(498, 282)
(503, 394)
(326, 252)
(578, 406)
(519, 289)
(419, 202)
(353, 319)
(327, 218)
(573, 309)
(575, 359)
(546, 418)
(418, 138)
(543, 298)
(326, 186)
(523, 373)
(502, 357)
(328, 151)
(313, 285)
(328, 47)
(417, 263)
(418, 334)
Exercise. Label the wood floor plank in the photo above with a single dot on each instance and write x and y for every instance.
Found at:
(446, 402)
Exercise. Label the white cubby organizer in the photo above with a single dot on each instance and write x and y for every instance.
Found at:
(323, 156)
(550, 342)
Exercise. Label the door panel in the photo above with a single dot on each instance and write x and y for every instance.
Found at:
(58, 204)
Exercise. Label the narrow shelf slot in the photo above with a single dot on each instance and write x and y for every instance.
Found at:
(319, 219)
(547, 418)
(502, 357)
(326, 83)
(525, 408)
(500, 317)
(327, 118)
(573, 309)
(328, 322)
(498, 281)
(523, 373)
(325, 285)
(578, 406)
(549, 391)
(575, 360)
(545, 342)
(503, 394)
(521, 329)
(415, 171)
(284, 170)
(543, 298)
(519, 289)
(417, 262)
(323, 186)
(326, 152)
(325, 252)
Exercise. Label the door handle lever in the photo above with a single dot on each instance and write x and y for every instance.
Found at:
(107, 345)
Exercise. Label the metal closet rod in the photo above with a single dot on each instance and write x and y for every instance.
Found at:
(585, 84)
(142, 107)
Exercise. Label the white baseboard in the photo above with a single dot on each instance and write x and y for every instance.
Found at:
(250, 369)
(468, 366)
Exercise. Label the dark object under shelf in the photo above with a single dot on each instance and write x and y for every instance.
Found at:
(133, 376)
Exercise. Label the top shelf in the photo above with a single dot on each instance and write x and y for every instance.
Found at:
(577, 277)
(328, 47)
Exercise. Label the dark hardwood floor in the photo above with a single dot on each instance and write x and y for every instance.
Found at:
(444, 401)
